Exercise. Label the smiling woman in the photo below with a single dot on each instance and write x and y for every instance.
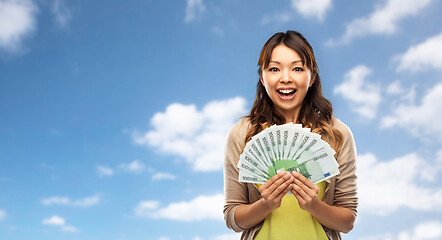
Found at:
(289, 91)
(286, 81)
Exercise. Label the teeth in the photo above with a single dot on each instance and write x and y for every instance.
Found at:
(286, 91)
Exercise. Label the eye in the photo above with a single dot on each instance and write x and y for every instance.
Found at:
(273, 69)
(298, 69)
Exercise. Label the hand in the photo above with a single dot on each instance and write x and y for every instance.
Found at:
(275, 188)
(305, 191)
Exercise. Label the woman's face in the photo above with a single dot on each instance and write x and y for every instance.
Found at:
(286, 81)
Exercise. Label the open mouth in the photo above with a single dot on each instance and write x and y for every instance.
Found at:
(286, 93)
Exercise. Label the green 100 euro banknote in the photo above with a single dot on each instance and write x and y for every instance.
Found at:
(287, 147)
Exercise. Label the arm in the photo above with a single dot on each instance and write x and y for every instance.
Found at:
(338, 212)
(244, 208)
(236, 193)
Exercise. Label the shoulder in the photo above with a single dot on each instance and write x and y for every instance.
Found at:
(235, 141)
(342, 127)
(239, 130)
(348, 145)
(347, 152)
(236, 136)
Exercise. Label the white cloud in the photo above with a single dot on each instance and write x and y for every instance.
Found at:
(85, 202)
(17, 20)
(134, 167)
(277, 18)
(146, 206)
(61, 12)
(439, 160)
(217, 31)
(55, 132)
(194, 10)
(312, 8)
(430, 230)
(200, 208)
(384, 20)
(229, 236)
(56, 200)
(307, 8)
(104, 171)
(197, 136)
(396, 182)
(47, 166)
(425, 55)
(400, 94)
(59, 221)
(162, 176)
(395, 88)
(69, 229)
(421, 120)
(2, 214)
(54, 220)
(363, 96)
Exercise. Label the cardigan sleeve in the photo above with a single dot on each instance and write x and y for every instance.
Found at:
(235, 192)
(345, 194)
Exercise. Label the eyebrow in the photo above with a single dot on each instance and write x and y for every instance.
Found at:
(291, 62)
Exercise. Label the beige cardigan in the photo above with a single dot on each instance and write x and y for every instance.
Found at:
(340, 191)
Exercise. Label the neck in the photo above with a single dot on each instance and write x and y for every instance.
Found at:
(291, 117)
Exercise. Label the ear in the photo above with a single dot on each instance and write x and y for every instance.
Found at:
(261, 79)
(260, 76)
(313, 75)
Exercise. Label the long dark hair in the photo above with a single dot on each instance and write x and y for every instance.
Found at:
(316, 111)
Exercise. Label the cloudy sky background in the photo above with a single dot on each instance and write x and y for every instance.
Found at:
(113, 115)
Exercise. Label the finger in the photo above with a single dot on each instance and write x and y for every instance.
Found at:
(281, 188)
(301, 201)
(283, 193)
(300, 191)
(303, 179)
(311, 192)
(275, 182)
(272, 180)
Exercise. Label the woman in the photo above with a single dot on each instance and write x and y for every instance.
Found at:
(289, 90)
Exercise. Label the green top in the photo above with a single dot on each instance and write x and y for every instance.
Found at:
(289, 221)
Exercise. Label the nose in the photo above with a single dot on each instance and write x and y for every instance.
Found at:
(285, 77)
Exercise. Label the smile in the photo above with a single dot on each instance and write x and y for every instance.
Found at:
(286, 94)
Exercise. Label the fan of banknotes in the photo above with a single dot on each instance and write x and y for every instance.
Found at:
(288, 147)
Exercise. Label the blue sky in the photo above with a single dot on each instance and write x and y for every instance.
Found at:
(113, 114)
